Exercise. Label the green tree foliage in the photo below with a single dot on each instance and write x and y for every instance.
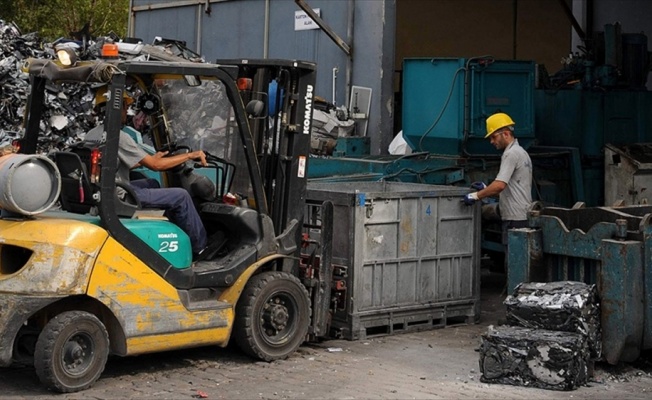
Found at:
(53, 19)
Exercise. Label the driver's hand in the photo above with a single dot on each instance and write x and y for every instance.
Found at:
(161, 154)
(199, 155)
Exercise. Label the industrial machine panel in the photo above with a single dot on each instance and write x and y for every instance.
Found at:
(446, 102)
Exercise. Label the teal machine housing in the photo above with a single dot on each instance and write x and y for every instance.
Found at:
(446, 102)
(584, 122)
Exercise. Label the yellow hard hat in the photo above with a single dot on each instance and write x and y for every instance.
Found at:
(497, 121)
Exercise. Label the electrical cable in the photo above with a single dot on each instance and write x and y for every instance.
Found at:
(441, 113)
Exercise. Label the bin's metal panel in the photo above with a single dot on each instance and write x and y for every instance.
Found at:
(411, 252)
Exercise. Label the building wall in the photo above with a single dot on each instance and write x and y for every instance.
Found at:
(251, 29)
(506, 29)
(381, 33)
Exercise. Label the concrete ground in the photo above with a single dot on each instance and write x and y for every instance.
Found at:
(435, 364)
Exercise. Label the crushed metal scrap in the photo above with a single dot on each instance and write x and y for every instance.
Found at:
(558, 306)
(538, 358)
(68, 113)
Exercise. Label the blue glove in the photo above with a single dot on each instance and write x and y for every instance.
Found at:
(478, 185)
(470, 199)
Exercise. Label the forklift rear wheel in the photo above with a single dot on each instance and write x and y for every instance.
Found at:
(272, 316)
(71, 351)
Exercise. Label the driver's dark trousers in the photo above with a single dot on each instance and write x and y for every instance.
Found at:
(178, 207)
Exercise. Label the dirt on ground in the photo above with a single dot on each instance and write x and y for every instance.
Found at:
(434, 364)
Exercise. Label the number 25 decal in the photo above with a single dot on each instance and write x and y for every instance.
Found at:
(169, 247)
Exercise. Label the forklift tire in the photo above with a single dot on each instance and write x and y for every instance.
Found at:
(71, 351)
(272, 316)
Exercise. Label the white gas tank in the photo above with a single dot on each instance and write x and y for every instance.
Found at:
(29, 183)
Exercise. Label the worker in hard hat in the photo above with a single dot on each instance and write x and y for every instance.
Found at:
(513, 184)
(177, 202)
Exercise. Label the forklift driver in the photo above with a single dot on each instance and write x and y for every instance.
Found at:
(177, 202)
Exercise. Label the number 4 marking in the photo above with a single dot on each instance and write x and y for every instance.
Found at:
(428, 212)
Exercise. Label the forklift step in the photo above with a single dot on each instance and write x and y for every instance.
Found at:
(202, 299)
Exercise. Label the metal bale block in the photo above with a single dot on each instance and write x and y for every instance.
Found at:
(558, 306)
(533, 357)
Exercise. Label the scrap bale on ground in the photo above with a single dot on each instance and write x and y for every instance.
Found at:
(533, 357)
(565, 306)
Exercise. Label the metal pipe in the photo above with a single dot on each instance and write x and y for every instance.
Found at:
(168, 4)
(266, 31)
(198, 32)
(514, 28)
(172, 4)
(324, 26)
(467, 103)
(349, 60)
(130, 20)
(335, 71)
(573, 20)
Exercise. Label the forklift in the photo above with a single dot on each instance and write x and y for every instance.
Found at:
(97, 275)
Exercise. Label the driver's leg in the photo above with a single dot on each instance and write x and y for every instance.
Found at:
(179, 208)
(148, 183)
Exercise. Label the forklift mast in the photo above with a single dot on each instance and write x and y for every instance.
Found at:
(282, 135)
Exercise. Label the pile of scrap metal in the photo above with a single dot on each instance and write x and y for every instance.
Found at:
(553, 339)
(14, 85)
(68, 114)
(328, 124)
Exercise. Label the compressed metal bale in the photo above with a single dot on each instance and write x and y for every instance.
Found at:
(566, 306)
(538, 358)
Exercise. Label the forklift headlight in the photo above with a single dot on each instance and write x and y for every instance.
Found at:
(67, 57)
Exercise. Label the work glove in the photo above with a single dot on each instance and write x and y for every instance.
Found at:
(470, 199)
(478, 185)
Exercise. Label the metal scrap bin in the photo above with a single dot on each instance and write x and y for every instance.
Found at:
(405, 255)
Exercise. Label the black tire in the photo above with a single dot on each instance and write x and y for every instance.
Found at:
(272, 316)
(71, 351)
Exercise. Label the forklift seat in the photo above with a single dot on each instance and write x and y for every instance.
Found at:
(76, 194)
(76, 190)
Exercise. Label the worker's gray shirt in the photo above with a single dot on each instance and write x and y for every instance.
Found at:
(129, 153)
(516, 172)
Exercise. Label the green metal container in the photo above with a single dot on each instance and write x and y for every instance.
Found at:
(446, 102)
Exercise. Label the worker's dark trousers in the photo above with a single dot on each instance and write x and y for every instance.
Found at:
(178, 207)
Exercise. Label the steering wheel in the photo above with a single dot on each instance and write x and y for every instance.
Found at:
(173, 149)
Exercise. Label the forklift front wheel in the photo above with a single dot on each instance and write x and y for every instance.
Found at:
(272, 316)
(71, 351)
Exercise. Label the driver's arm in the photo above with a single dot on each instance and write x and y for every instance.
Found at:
(159, 161)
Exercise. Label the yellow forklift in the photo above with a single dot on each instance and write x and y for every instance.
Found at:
(101, 276)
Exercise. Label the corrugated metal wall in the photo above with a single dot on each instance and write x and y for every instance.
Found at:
(237, 29)
(382, 34)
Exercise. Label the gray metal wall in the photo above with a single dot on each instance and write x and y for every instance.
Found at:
(265, 29)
